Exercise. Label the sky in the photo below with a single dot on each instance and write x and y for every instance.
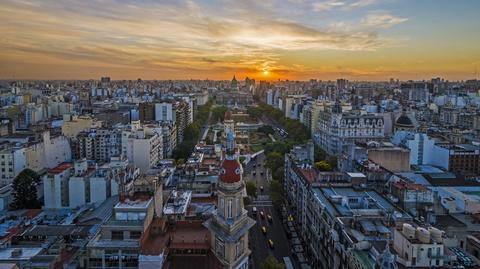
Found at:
(215, 39)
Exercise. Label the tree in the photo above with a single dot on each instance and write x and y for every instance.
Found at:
(277, 193)
(323, 166)
(332, 161)
(274, 161)
(24, 190)
(319, 154)
(279, 173)
(251, 189)
(266, 129)
(218, 112)
(271, 263)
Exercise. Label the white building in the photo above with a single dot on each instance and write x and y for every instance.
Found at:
(48, 153)
(55, 186)
(419, 246)
(79, 185)
(337, 129)
(423, 150)
(12, 162)
(164, 112)
(460, 199)
(143, 149)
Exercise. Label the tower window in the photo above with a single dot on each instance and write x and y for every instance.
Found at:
(229, 209)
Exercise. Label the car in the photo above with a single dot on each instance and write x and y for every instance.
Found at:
(270, 243)
(269, 217)
(262, 214)
(264, 230)
(254, 211)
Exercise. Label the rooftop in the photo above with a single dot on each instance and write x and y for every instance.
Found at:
(60, 168)
(14, 254)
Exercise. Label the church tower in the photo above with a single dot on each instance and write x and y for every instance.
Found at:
(230, 223)
(228, 123)
(234, 83)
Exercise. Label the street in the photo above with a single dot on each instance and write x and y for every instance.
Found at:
(274, 229)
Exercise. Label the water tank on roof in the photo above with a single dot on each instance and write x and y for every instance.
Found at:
(423, 235)
(408, 230)
(436, 234)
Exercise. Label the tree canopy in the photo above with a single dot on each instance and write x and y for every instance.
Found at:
(274, 160)
(251, 189)
(271, 263)
(266, 129)
(24, 191)
(323, 166)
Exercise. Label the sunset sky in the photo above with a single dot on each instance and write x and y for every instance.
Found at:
(263, 39)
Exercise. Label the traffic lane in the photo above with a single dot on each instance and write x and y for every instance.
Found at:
(259, 245)
(277, 234)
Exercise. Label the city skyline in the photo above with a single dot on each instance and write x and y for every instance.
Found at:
(296, 39)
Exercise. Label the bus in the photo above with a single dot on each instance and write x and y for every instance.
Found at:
(288, 263)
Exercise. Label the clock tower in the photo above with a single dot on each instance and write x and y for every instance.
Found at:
(230, 223)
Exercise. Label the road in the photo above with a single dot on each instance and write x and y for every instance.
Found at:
(275, 230)
(268, 121)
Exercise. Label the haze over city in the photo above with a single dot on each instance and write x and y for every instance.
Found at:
(266, 40)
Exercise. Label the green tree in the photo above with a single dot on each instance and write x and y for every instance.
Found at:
(251, 189)
(274, 160)
(279, 173)
(319, 154)
(277, 193)
(218, 113)
(323, 166)
(266, 129)
(24, 190)
(271, 263)
(332, 161)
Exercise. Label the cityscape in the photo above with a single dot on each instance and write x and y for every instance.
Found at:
(296, 134)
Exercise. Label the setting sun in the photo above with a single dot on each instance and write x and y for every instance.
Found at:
(265, 72)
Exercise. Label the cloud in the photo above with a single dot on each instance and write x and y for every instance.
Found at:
(345, 5)
(168, 36)
(382, 20)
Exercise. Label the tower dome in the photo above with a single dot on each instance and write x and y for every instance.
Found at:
(228, 115)
(230, 170)
(404, 123)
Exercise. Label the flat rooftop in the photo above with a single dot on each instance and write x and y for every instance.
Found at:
(24, 254)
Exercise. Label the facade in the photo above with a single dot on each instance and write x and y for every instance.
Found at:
(55, 186)
(117, 245)
(48, 153)
(73, 125)
(337, 129)
(419, 247)
(98, 144)
(144, 149)
(394, 159)
(12, 162)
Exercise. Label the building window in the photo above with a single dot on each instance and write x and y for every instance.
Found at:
(135, 234)
(229, 209)
(117, 235)
(219, 247)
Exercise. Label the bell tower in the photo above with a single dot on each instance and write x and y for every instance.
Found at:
(230, 223)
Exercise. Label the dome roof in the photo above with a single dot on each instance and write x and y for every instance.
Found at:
(228, 115)
(230, 171)
(404, 120)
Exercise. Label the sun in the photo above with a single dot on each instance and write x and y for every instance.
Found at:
(265, 72)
